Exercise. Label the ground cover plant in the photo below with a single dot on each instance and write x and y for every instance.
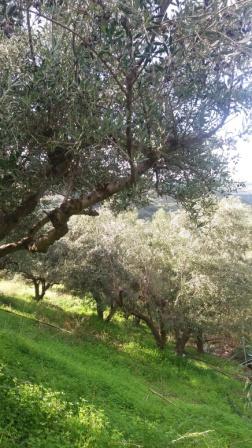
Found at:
(104, 385)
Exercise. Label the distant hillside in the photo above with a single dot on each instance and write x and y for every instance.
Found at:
(156, 204)
(245, 194)
(169, 204)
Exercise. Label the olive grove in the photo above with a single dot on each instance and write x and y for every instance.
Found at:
(181, 280)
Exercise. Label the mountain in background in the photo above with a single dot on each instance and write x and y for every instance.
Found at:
(169, 204)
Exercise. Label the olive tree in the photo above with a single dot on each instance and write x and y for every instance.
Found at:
(180, 279)
(108, 99)
(41, 270)
(91, 263)
(223, 283)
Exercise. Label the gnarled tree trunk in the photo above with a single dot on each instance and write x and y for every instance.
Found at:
(40, 287)
(112, 311)
(200, 342)
(100, 309)
(136, 321)
(181, 338)
(158, 332)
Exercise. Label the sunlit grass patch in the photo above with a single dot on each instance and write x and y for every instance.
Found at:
(107, 385)
(45, 418)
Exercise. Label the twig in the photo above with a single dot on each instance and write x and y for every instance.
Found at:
(193, 434)
(161, 396)
(85, 42)
(35, 320)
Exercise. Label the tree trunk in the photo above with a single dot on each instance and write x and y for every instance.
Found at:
(99, 309)
(36, 287)
(163, 333)
(136, 321)
(181, 340)
(113, 309)
(40, 287)
(60, 216)
(200, 342)
(160, 337)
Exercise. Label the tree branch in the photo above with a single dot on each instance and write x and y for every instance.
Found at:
(30, 36)
(129, 100)
(163, 7)
(86, 43)
(9, 221)
(60, 216)
(41, 322)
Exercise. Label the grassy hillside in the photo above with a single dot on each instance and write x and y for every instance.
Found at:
(99, 385)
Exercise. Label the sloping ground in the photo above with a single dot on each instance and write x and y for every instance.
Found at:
(105, 385)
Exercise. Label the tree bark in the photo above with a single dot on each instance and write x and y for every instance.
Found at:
(181, 337)
(159, 338)
(163, 333)
(36, 287)
(10, 220)
(200, 342)
(99, 308)
(59, 217)
(40, 287)
(112, 311)
(137, 321)
(159, 335)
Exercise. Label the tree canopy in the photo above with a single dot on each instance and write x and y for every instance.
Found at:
(108, 99)
(179, 279)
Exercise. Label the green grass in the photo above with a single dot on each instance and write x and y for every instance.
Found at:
(106, 385)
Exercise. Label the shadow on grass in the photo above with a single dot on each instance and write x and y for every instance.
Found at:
(97, 373)
(133, 343)
(82, 324)
(112, 365)
(42, 310)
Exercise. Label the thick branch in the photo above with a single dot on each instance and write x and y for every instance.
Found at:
(159, 334)
(9, 248)
(59, 217)
(57, 167)
(129, 100)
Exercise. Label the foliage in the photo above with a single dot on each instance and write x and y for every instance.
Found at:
(91, 263)
(30, 409)
(42, 270)
(174, 276)
(96, 98)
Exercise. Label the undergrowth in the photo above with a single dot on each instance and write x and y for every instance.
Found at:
(105, 385)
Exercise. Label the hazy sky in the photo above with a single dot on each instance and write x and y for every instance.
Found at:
(244, 166)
